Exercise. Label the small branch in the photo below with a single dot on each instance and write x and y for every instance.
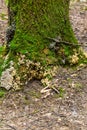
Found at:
(11, 127)
(48, 89)
(56, 90)
(59, 41)
(53, 39)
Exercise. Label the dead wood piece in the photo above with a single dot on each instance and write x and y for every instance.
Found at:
(48, 89)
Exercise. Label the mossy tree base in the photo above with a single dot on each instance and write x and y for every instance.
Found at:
(37, 20)
(29, 50)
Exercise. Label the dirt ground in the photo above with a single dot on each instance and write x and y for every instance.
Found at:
(28, 109)
(3, 21)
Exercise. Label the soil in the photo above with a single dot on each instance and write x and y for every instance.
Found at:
(29, 109)
(3, 21)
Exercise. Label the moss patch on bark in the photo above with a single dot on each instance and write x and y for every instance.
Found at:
(35, 21)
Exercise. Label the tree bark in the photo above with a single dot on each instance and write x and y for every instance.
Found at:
(38, 19)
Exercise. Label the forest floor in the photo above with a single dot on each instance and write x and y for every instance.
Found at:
(29, 109)
(3, 21)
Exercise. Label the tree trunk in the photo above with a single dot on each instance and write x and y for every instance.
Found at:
(42, 38)
(36, 22)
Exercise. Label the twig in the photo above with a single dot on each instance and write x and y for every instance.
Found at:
(55, 89)
(11, 127)
(48, 88)
(58, 41)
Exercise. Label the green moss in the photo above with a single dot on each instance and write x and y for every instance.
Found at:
(2, 92)
(37, 20)
(3, 16)
(2, 54)
(45, 19)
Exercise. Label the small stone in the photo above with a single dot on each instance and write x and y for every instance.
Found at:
(7, 78)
